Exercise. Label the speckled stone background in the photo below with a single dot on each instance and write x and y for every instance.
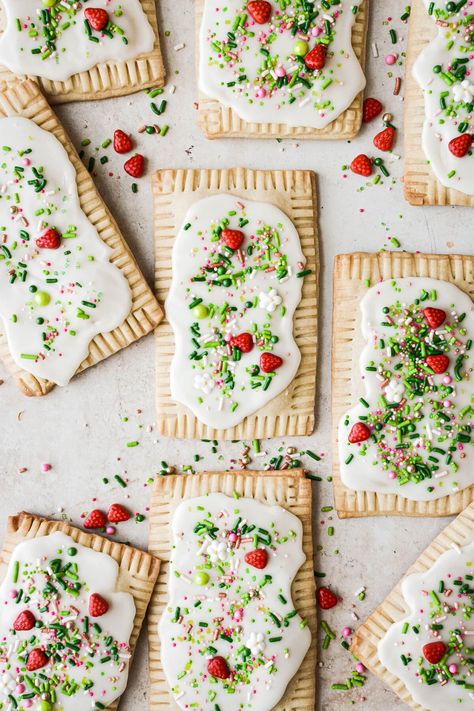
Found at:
(81, 430)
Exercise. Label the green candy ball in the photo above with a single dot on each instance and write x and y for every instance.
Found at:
(72, 551)
(300, 48)
(42, 298)
(201, 311)
(43, 706)
(201, 579)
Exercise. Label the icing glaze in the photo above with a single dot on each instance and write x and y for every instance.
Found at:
(51, 579)
(51, 40)
(413, 424)
(439, 604)
(443, 70)
(53, 301)
(221, 606)
(259, 70)
(218, 293)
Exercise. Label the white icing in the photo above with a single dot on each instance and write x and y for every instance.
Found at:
(367, 473)
(84, 275)
(315, 107)
(98, 573)
(423, 612)
(246, 622)
(191, 379)
(438, 127)
(75, 52)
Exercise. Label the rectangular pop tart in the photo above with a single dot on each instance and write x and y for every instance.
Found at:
(232, 621)
(237, 263)
(403, 331)
(72, 606)
(81, 51)
(71, 292)
(286, 69)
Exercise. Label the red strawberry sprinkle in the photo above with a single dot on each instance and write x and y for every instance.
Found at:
(359, 433)
(316, 58)
(96, 519)
(36, 660)
(24, 622)
(135, 166)
(244, 342)
(326, 598)
(460, 145)
(260, 11)
(434, 317)
(362, 165)
(384, 140)
(433, 652)
(232, 238)
(438, 363)
(122, 142)
(270, 362)
(372, 108)
(97, 605)
(49, 239)
(96, 17)
(217, 667)
(257, 558)
(118, 513)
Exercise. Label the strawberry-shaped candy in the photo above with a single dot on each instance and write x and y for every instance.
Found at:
(97, 605)
(217, 667)
(135, 166)
(257, 558)
(24, 622)
(433, 652)
(460, 145)
(260, 11)
(96, 519)
(362, 165)
(270, 362)
(326, 598)
(122, 142)
(316, 58)
(359, 433)
(434, 317)
(49, 239)
(384, 140)
(371, 109)
(232, 238)
(244, 342)
(438, 363)
(117, 513)
(96, 17)
(37, 659)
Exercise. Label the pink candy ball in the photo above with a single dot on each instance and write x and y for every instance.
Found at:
(390, 59)
(316, 31)
(360, 668)
(20, 689)
(27, 703)
(453, 668)
(447, 403)
(13, 593)
(45, 467)
(447, 379)
(346, 632)
(280, 71)
(232, 537)
(110, 530)
(392, 475)
(260, 93)
(26, 161)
